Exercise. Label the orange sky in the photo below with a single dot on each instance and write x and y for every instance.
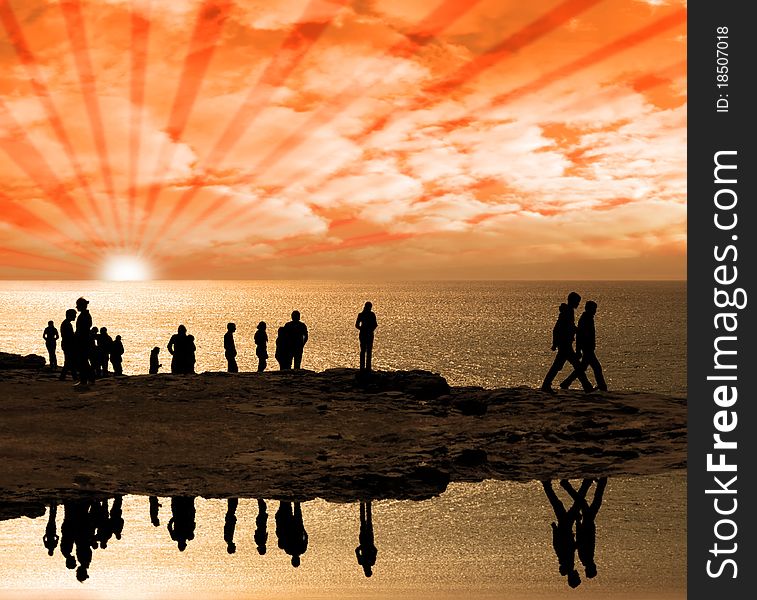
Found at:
(344, 138)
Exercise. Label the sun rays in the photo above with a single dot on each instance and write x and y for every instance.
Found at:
(307, 136)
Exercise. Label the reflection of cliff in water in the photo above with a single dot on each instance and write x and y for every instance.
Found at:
(80, 526)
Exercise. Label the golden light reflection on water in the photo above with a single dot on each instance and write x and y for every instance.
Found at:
(488, 540)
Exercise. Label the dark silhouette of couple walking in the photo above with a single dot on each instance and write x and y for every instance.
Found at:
(290, 343)
(182, 349)
(584, 356)
(582, 515)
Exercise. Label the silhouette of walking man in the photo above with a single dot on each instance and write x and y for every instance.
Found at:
(50, 539)
(261, 527)
(117, 356)
(297, 337)
(586, 529)
(366, 551)
(68, 345)
(563, 540)
(586, 345)
(50, 335)
(366, 323)
(83, 342)
(230, 348)
(562, 340)
(261, 346)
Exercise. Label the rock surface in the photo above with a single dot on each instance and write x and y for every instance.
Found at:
(334, 435)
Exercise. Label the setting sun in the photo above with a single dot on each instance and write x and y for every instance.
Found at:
(125, 268)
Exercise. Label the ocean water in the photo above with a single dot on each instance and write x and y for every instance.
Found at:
(488, 540)
(473, 333)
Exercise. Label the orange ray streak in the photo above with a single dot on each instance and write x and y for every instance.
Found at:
(25, 155)
(27, 58)
(635, 38)
(639, 84)
(303, 35)
(28, 222)
(36, 257)
(77, 35)
(439, 19)
(202, 46)
(437, 90)
(140, 33)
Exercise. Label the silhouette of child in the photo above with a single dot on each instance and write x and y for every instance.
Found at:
(50, 335)
(154, 360)
(261, 346)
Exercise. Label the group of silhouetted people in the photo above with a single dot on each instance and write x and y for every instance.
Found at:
(87, 524)
(584, 355)
(87, 350)
(580, 515)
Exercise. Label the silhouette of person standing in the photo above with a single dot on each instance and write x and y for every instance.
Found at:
(261, 346)
(50, 335)
(230, 348)
(83, 341)
(586, 529)
(261, 527)
(155, 360)
(68, 345)
(586, 345)
(366, 551)
(117, 356)
(563, 540)
(67, 531)
(178, 348)
(366, 323)
(283, 353)
(230, 524)
(50, 539)
(297, 337)
(562, 340)
(104, 348)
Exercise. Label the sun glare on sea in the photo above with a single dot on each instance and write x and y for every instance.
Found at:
(125, 268)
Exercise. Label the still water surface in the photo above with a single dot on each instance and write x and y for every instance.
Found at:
(488, 540)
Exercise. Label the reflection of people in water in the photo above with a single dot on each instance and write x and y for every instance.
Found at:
(261, 527)
(181, 527)
(67, 528)
(84, 535)
(101, 521)
(366, 552)
(50, 539)
(154, 508)
(290, 531)
(116, 517)
(586, 529)
(563, 540)
(230, 524)
(299, 537)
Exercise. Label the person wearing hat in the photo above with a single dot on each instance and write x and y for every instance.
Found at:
(82, 334)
